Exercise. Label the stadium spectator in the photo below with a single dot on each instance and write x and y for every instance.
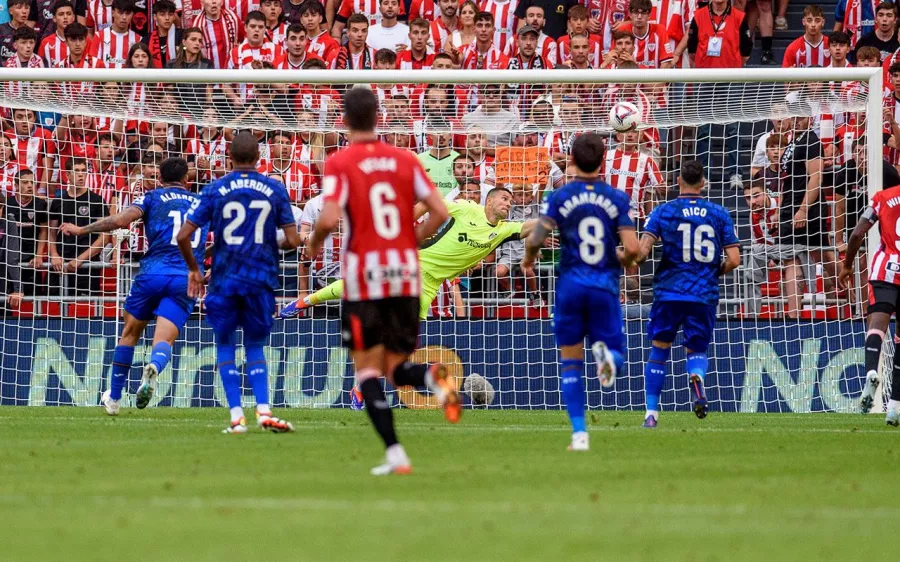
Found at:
(368, 8)
(855, 17)
(549, 17)
(605, 18)
(578, 24)
(476, 148)
(221, 30)
(416, 57)
(295, 176)
(24, 40)
(389, 33)
(99, 15)
(503, 14)
(326, 267)
(771, 176)
(206, 154)
(78, 205)
(18, 18)
(295, 52)
(34, 147)
(9, 167)
(53, 47)
(884, 36)
(891, 116)
(838, 49)
(111, 45)
(292, 10)
(811, 48)
(678, 30)
(580, 53)
(10, 258)
(622, 50)
(355, 54)
(763, 255)
(438, 159)
(499, 123)
(319, 41)
(464, 34)
(483, 53)
(165, 38)
(192, 98)
(30, 215)
(276, 26)
(526, 206)
(110, 181)
(447, 22)
(652, 47)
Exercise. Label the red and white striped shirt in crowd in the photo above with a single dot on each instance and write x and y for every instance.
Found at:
(607, 12)
(8, 173)
(493, 59)
(109, 182)
(112, 47)
(885, 206)
(137, 103)
(443, 304)
(764, 223)
(16, 88)
(853, 19)
(844, 137)
(32, 149)
(679, 22)
(380, 260)
(890, 101)
(595, 46)
(547, 48)
(244, 55)
(284, 61)
(662, 12)
(803, 54)
(653, 49)
(406, 62)
(633, 172)
(504, 21)
(278, 34)
(439, 34)
(484, 169)
(426, 9)
(325, 47)
(368, 8)
(99, 15)
(242, 7)
(214, 150)
(53, 49)
(298, 180)
(72, 89)
(615, 94)
(219, 35)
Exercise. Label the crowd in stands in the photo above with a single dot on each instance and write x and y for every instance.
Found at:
(57, 168)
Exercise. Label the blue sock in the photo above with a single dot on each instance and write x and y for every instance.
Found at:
(697, 364)
(160, 356)
(121, 366)
(655, 375)
(231, 378)
(573, 392)
(258, 371)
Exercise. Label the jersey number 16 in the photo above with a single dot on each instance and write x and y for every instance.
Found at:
(700, 244)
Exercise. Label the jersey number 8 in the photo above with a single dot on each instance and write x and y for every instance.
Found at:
(701, 244)
(590, 232)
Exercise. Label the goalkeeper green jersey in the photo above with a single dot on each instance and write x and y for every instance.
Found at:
(464, 240)
(440, 170)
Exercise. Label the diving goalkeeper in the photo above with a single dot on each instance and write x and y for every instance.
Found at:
(468, 237)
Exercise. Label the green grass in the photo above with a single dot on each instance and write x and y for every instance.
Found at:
(165, 485)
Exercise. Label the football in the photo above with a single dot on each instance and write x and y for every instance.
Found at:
(479, 390)
(624, 116)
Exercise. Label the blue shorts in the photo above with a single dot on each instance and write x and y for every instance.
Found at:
(697, 319)
(582, 311)
(255, 313)
(160, 295)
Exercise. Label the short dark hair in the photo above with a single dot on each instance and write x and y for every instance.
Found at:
(103, 137)
(294, 29)
(313, 7)
(12, 3)
(442, 56)
(839, 38)
(254, 15)
(24, 33)
(244, 149)
(894, 68)
(886, 6)
(151, 158)
(315, 64)
(172, 170)
(692, 172)
(75, 30)
(622, 34)
(360, 109)
(24, 172)
(357, 18)
(385, 56)
(164, 7)
(578, 12)
(60, 4)
(868, 53)
(640, 5)
(495, 190)
(588, 152)
(77, 161)
(484, 16)
(124, 6)
(421, 23)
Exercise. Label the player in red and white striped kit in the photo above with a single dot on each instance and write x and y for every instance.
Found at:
(112, 44)
(375, 187)
(884, 290)
(222, 30)
(635, 172)
(505, 22)
(811, 48)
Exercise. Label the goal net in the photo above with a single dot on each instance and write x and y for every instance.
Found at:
(79, 145)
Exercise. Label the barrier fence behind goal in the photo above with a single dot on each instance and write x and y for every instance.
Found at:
(787, 338)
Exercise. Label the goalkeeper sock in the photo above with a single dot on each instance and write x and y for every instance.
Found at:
(377, 406)
(121, 365)
(697, 364)
(573, 392)
(873, 350)
(329, 293)
(231, 379)
(655, 377)
(258, 372)
(160, 356)
(411, 374)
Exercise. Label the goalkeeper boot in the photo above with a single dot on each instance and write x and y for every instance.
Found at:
(148, 386)
(357, 402)
(580, 441)
(700, 405)
(239, 426)
(650, 422)
(892, 418)
(111, 406)
(268, 422)
(867, 399)
(395, 462)
(606, 365)
(448, 395)
(293, 309)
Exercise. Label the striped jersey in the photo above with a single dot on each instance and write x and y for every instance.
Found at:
(885, 208)
(803, 54)
(111, 47)
(633, 172)
(504, 21)
(219, 36)
(53, 49)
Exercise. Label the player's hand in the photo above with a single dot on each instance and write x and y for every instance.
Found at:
(844, 276)
(888, 114)
(527, 266)
(312, 248)
(57, 263)
(14, 299)
(594, 26)
(195, 283)
(72, 265)
(70, 229)
(800, 218)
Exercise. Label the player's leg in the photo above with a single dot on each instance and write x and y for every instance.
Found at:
(699, 323)
(604, 325)
(570, 324)
(665, 319)
(257, 313)
(123, 356)
(331, 292)
(222, 315)
(882, 304)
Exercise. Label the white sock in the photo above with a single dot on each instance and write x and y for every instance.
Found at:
(263, 410)
(306, 300)
(236, 414)
(894, 405)
(429, 382)
(396, 455)
(653, 413)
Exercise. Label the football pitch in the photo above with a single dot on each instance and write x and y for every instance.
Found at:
(164, 484)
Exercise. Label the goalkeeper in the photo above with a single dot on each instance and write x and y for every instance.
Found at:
(468, 237)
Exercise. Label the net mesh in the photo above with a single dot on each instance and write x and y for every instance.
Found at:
(786, 339)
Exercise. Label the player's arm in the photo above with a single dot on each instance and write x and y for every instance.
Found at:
(857, 237)
(530, 226)
(437, 215)
(629, 253)
(644, 248)
(325, 225)
(95, 248)
(732, 260)
(106, 224)
(184, 237)
(538, 231)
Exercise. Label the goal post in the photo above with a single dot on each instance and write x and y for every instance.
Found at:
(786, 338)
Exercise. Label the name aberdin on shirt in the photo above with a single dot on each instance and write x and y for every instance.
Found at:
(246, 183)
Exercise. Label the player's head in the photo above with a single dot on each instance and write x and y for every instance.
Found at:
(360, 110)
(173, 170)
(691, 178)
(244, 149)
(498, 203)
(588, 152)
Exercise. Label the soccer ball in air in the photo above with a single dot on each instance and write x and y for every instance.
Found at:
(624, 117)
(478, 388)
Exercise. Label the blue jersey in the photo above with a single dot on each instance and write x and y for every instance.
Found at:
(244, 210)
(693, 233)
(589, 216)
(163, 212)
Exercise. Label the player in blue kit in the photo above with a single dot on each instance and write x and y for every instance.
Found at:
(694, 233)
(244, 209)
(592, 217)
(160, 288)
